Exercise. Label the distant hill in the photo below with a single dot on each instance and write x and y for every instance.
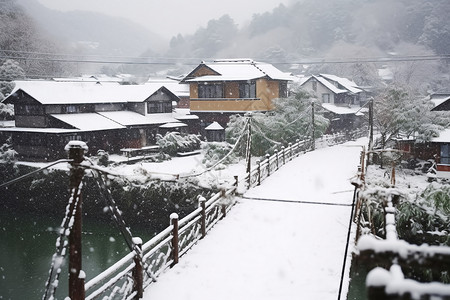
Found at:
(94, 33)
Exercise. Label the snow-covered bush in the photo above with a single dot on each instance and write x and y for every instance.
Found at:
(6, 110)
(215, 151)
(8, 167)
(7, 154)
(102, 158)
(174, 142)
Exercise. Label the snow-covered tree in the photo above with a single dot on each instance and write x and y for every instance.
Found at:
(10, 70)
(291, 119)
(397, 112)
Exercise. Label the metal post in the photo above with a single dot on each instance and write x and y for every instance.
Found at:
(259, 171)
(370, 148)
(175, 247)
(248, 149)
(76, 151)
(313, 135)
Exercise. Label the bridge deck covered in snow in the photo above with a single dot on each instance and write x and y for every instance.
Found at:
(284, 239)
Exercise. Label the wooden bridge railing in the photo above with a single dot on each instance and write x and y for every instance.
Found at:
(389, 257)
(127, 278)
(161, 252)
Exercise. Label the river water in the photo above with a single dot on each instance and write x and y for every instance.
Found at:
(27, 243)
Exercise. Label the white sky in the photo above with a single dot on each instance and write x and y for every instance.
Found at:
(170, 17)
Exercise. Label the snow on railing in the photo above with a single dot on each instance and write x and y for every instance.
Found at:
(391, 251)
(161, 252)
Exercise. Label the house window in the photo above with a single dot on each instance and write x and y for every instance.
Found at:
(29, 109)
(445, 154)
(70, 109)
(155, 107)
(325, 98)
(210, 90)
(247, 90)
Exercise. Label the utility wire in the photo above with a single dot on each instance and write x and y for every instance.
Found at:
(187, 61)
(223, 158)
(34, 172)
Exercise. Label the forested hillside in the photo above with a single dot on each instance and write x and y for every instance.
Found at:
(307, 36)
(331, 30)
(20, 36)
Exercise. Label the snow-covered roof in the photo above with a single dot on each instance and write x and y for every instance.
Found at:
(38, 130)
(214, 126)
(329, 85)
(385, 74)
(444, 137)
(130, 118)
(88, 121)
(50, 92)
(239, 70)
(346, 83)
(102, 78)
(343, 110)
(438, 99)
(173, 125)
(179, 89)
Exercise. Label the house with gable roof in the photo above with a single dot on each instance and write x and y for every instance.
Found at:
(225, 87)
(341, 98)
(441, 101)
(109, 117)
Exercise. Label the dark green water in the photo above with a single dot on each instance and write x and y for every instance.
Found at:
(27, 243)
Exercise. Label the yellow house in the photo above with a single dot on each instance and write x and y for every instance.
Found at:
(234, 86)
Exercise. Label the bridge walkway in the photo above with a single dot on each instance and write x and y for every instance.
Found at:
(283, 240)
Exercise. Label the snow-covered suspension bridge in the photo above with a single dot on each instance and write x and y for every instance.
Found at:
(269, 244)
(145, 263)
(284, 239)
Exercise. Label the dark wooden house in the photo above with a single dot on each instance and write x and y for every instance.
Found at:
(108, 117)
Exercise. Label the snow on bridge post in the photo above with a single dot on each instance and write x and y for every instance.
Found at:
(138, 271)
(76, 151)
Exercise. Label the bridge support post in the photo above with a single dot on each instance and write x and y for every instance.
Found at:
(268, 164)
(290, 151)
(76, 151)
(138, 271)
(259, 171)
(278, 163)
(202, 203)
(175, 247)
(284, 154)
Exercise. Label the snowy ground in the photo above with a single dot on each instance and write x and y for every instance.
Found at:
(275, 249)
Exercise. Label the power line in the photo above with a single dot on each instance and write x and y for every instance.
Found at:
(188, 61)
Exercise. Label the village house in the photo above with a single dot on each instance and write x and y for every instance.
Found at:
(341, 98)
(226, 87)
(441, 101)
(438, 148)
(108, 117)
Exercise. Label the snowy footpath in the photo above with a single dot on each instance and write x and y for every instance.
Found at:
(283, 240)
